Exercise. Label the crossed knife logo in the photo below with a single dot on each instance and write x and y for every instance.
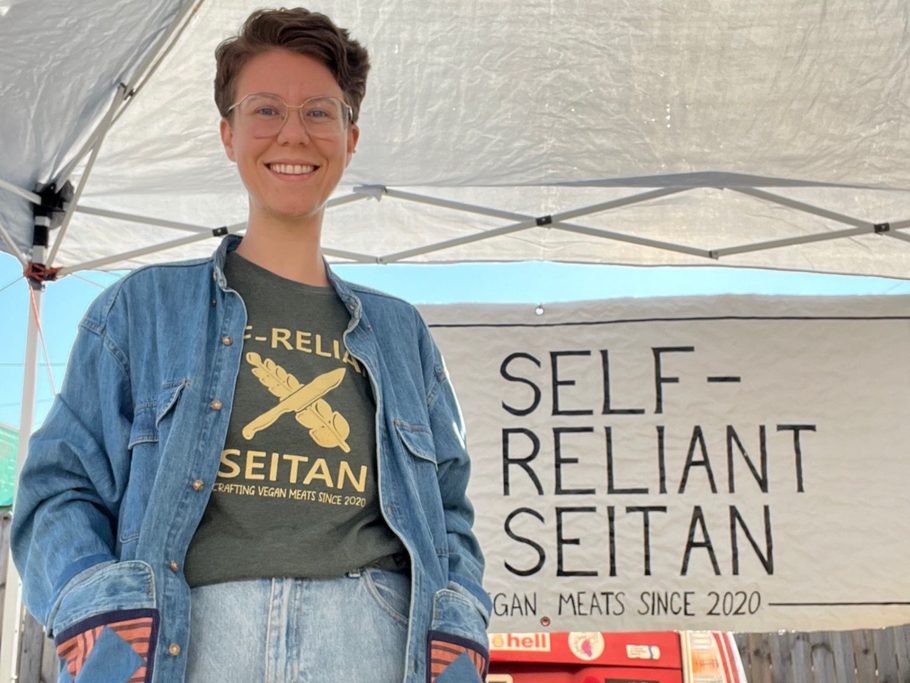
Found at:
(328, 428)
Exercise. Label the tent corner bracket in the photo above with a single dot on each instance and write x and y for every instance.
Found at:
(53, 207)
(128, 92)
(37, 274)
(373, 191)
(47, 216)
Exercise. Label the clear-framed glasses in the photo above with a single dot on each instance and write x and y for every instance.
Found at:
(264, 114)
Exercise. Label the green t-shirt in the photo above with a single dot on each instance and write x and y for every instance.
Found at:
(296, 492)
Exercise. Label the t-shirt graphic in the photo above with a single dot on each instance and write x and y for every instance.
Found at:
(327, 427)
(296, 492)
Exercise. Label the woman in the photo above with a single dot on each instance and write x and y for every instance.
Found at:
(256, 470)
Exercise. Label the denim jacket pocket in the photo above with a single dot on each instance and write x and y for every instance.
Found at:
(106, 625)
(149, 414)
(145, 433)
(420, 453)
(418, 440)
(457, 641)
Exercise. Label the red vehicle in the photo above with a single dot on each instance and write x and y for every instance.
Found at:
(658, 657)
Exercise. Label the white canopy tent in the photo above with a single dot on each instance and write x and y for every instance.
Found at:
(771, 134)
(639, 132)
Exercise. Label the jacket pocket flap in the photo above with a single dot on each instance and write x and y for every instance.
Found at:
(417, 439)
(167, 398)
(148, 415)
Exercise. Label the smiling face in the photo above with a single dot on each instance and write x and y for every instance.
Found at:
(290, 175)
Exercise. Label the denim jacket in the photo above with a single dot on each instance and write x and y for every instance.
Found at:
(119, 475)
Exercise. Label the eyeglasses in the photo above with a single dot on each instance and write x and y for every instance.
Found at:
(264, 115)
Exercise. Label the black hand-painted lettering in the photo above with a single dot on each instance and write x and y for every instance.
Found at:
(506, 375)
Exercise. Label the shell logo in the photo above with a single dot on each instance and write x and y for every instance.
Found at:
(520, 642)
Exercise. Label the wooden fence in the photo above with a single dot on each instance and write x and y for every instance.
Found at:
(872, 656)
(37, 659)
(879, 656)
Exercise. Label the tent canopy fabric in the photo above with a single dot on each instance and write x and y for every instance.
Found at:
(771, 134)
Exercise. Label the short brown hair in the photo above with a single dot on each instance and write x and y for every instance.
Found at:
(297, 30)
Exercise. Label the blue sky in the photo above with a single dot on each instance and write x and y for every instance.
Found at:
(530, 283)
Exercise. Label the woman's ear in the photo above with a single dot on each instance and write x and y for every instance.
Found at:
(227, 139)
(353, 137)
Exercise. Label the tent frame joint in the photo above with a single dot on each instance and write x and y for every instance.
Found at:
(48, 215)
(881, 227)
(544, 220)
(128, 92)
(220, 232)
(372, 191)
(53, 207)
(37, 274)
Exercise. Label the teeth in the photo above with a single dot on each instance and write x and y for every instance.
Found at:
(292, 169)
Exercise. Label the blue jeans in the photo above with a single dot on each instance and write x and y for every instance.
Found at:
(352, 628)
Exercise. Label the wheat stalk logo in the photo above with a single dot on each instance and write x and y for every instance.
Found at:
(327, 427)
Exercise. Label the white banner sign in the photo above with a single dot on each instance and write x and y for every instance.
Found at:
(732, 463)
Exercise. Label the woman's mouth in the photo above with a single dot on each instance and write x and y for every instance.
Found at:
(292, 169)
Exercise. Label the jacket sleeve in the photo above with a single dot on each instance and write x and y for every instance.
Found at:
(457, 644)
(73, 480)
(466, 563)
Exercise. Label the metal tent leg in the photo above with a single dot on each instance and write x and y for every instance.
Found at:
(12, 604)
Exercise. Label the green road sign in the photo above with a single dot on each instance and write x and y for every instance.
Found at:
(9, 446)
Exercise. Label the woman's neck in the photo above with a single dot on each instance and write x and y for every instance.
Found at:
(291, 251)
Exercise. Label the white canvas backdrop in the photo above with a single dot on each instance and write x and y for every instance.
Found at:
(728, 463)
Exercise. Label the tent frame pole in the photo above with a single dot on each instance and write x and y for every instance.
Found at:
(800, 206)
(12, 604)
(142, 73)
(554, 221)
(520, 222)
(199, 233)
(14, 250)
(15, 189)
(125, 256)
(103, 130)
(144, 220)
(792, 241)
(125, 93)
(148, 69)
(176, 225)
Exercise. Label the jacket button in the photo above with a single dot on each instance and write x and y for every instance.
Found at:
(215, 405)
(172, 565)
(173, 649)
(198, 485)
(227, 341)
